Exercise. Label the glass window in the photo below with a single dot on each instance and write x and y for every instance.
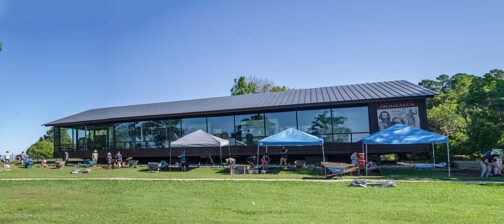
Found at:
(82, 135)
(277, 122)
(316, 122)
(67, 139)
(172, 129)
(350, 120)
(150, 135)
(190, 125)
(222, 127)
(97, 136)
(125, 135)
(249, 128)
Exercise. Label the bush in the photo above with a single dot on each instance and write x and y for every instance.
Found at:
(41, 150)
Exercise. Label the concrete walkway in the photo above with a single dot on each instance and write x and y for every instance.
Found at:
(230, 179)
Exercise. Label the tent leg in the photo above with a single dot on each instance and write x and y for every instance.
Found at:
(257, 155)
(220, 152)
(433, 156)
(229, 151)
(266, 149)
(366, 160)
(169, 167)
(323, 153)
(448, 153)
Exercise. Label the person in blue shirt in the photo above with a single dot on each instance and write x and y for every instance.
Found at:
(183, 161)
(119, 159)
(251, 160)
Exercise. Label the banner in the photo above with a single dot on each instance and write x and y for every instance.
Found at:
(390, 114)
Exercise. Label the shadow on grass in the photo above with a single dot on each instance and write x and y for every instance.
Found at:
(430, 174)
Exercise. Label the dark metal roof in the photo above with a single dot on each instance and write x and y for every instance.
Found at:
(345, 94)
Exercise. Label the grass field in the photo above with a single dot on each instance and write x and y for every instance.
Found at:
(144, 201)
(107, 201)
(140, 172)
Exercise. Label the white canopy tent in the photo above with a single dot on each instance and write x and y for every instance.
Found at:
(198, 139)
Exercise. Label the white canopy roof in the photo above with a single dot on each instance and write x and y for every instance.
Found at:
(199, 138)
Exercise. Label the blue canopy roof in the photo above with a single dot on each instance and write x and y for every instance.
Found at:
(291, 137)
(403, 134)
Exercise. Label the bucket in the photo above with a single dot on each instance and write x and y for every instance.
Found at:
(362, 156)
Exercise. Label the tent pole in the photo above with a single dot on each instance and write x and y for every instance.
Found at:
(257, 159)
(433, 156)
(229, 151)
(220, 152)
(366, 160)
(266, 149)
(448, 153)
(170, 158)
(323, 153)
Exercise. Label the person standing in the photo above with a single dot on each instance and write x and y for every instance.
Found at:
(119, 159)
(94, 157)
(23, 157)
(67, 157)
(183, 161)
(355, 160)
(266, 160)
(284, 156)
(7, 157)
(109, 160)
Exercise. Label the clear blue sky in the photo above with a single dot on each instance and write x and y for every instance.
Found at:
(64, 57)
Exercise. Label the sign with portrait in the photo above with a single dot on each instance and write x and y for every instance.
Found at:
(390, 114)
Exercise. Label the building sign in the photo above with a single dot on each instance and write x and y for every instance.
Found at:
(390, 114)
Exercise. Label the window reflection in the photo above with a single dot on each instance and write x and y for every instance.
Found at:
(277, 122)
(249, 127)
(339, 125)
(190, 125)
(222, 127)
(316, 122)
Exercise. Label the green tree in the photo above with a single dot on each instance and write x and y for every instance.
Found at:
(1, 44)
(469, 110)
(242, 87)
(48, 136)
(41, 150)
(252, 85)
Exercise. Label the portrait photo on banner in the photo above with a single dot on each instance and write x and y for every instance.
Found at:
(390, 114)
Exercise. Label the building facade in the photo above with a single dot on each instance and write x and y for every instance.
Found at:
(341, 115)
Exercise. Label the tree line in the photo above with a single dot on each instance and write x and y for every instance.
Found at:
(469, 110)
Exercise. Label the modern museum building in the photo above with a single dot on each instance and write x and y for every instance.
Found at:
(341, 115)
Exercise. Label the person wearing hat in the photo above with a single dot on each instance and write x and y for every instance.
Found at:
(7, 157)
(94, 157)
(109, 160)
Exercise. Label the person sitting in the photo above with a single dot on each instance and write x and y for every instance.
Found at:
(372, 167)
(251, 160)
(43, 164)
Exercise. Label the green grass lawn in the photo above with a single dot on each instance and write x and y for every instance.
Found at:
(140, 172)
(107, 201)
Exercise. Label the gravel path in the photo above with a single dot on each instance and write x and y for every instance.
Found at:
(229, 179)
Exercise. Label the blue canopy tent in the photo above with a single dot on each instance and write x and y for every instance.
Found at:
(400, 134)
(290, 137)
